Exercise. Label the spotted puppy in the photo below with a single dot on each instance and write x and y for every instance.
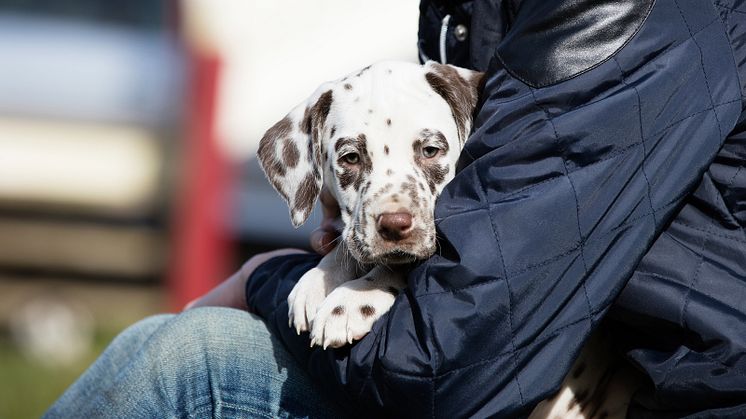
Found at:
(384, 141)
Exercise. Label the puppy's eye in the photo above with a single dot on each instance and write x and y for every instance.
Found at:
(430, 152)
(351, 158)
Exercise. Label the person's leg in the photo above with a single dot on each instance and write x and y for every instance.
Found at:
(204, 362)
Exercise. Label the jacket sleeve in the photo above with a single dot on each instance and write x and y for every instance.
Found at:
(562, 190)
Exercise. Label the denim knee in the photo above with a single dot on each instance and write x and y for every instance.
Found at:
(215, 361)
(212, 333)
(135, 335)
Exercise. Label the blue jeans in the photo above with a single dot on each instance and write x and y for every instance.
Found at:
(206, 362)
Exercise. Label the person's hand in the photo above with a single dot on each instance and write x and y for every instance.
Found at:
(324, 238)
(232, 291)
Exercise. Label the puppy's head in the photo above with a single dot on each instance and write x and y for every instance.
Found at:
(385, 141)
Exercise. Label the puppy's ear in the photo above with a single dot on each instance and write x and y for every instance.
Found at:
(291, 156)
(460, 88)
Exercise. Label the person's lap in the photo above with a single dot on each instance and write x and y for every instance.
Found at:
(203, 362)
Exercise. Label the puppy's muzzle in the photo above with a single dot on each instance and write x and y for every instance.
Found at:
(394, 226)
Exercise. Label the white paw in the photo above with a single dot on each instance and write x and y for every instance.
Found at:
(306, 297)
(348, 313)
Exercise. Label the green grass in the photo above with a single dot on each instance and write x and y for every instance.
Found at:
(27, 388)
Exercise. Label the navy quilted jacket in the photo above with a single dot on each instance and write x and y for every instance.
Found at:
(604, 179)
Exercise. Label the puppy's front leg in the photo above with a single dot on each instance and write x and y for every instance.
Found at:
(348, 313)
(334, 269)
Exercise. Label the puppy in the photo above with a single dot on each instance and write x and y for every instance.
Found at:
(384, 141)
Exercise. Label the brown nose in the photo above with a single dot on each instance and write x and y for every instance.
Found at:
(395, 226)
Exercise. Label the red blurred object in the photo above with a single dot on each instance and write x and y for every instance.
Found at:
(201, 248)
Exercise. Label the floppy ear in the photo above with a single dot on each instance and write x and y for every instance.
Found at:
(460, 88)
(290, 154)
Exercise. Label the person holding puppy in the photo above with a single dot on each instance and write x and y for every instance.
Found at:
(602, 185)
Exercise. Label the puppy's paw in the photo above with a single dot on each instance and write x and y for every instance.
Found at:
(348, 313)
(305, 299)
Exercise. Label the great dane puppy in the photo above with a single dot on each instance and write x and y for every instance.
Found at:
(385, 141)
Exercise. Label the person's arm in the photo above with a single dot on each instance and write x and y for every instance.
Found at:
(565, 183)
(231, 292)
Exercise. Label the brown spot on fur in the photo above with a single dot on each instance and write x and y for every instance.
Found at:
(435, 137)
(313, 122)
(388, 121)
(367, 310)
(433, 171)
(366, 165)
(384, 190)
(273, 167)
(389, 172)
(346, 177)
(277, 184)
(305, 124)
(266, 152)
(321, 111)
(309, 152)
(306, 195)
(348, 86)
(461, 95)
(353, 174)
(435, 175)
(290, 153)
(341, 143)
(322, 107)
(386, 150)
(333, 131)
(338, 310)
(410, 189)
(281, 129)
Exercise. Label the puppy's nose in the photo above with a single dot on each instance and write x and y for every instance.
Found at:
(395, 226)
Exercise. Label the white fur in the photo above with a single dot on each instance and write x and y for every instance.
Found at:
(335, 330)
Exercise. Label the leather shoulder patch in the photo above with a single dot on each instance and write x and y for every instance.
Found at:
(551, 41)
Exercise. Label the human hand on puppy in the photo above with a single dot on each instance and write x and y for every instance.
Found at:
(324, 238)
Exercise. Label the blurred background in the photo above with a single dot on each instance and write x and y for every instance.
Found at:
(128, 183)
